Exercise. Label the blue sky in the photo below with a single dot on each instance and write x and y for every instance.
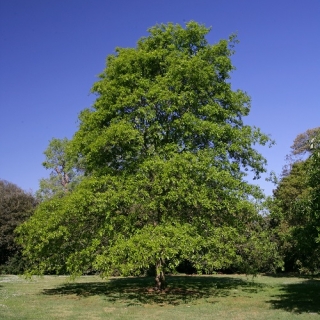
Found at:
(51, 52)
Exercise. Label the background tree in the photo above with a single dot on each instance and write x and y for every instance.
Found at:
(65, 173)
(300, 149)
(165, 152)
(16, 206)
(294, 210)
(314, 199)
(301, 143)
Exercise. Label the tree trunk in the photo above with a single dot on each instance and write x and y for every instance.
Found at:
(160, 280)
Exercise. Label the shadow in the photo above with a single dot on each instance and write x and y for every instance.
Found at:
(139, 291)
(303, 297)
(292, 275)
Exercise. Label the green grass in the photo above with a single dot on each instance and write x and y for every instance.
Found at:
(187, 297)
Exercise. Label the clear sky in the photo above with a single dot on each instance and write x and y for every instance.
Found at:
(51, 52)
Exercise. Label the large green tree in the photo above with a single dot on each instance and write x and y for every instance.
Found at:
(165, 152)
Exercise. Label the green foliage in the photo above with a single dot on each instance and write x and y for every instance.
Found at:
(65, 172)
(165, 153)
(16, 206)
(295, 214)
(314, 182)
(169, 95)
(292, 187)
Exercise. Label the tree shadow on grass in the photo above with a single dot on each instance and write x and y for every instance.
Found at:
(139, 291)
(303, 297)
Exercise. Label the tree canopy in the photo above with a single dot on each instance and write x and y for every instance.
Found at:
(16, 206)
(295, 209)
(165, 154)
(302, 143)
(65, 173)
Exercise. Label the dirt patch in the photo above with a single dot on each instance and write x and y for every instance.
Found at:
(109, 310)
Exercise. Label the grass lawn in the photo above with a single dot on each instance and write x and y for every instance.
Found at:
(187, 297)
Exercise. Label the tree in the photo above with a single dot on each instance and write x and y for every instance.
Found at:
(294, 211)
(299, 149)
(301, 143)
(293, 186)
(284, 218)
(165, 153)
(314, 200)
(65, 173)
(16, 206)
(308, 234)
